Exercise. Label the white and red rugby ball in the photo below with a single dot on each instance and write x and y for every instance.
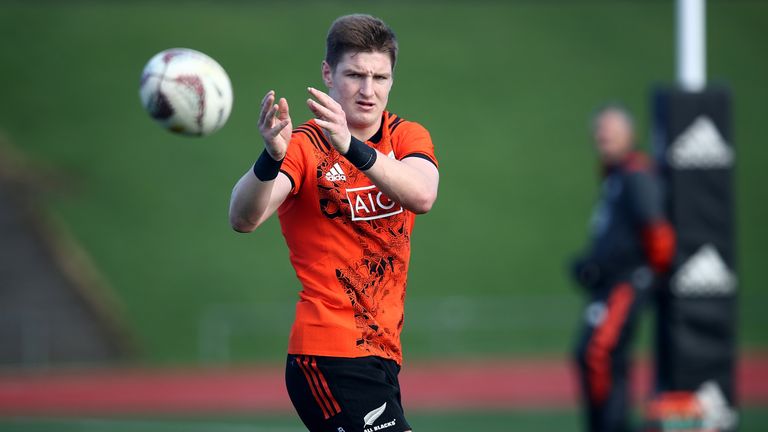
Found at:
(186, 91)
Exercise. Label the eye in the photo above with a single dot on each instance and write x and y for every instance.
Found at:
(381, 77)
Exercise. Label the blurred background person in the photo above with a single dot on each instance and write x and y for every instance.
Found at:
(631, 242)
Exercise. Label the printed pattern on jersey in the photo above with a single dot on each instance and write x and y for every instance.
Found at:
(349, 244)
(380, 227)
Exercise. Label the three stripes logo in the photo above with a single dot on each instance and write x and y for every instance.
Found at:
(319, 386)
(704, 274)
(700, 147)
(336, 174)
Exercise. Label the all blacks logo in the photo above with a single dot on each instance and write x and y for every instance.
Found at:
(367, 203)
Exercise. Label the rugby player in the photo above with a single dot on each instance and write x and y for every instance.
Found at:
(347, 186)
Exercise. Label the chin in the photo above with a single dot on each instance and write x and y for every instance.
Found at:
(364, 119)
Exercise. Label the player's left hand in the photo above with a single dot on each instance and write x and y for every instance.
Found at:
(331, 117)
(586, 272)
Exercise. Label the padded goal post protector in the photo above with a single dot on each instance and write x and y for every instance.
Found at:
(696, 320)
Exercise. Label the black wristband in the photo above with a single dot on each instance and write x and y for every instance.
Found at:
(361, 156)
(266, 168)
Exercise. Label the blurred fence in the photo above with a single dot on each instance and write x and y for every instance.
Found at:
(450, 325)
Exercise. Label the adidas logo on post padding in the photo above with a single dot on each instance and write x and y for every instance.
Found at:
(700, 146)
(704, 274)
(336, 174)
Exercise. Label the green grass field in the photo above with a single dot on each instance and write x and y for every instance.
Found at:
(505, 88)
(423, 422)
(752, 420)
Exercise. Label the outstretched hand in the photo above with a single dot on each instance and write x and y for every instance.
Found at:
(275, 125)
(331, 117)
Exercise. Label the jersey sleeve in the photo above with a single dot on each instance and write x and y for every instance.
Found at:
(658, 236)
(644, 198)
(295, 162)
(411, 139)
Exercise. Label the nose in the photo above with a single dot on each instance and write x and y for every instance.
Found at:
(366, 87)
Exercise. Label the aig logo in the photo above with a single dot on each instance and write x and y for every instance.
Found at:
(367, 203)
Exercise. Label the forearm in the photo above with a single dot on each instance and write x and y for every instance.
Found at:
(258, 194)
(249, 204)
(262, 189)
(412, 182)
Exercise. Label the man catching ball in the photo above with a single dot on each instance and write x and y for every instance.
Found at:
(347, 186)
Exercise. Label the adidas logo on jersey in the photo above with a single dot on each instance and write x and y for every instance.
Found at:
(704, 274)
(700, 146)
(336, 174)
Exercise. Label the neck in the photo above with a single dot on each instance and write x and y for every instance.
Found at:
(619, 158)
(365, 133)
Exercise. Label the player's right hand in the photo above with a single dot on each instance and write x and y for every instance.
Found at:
(275, 125)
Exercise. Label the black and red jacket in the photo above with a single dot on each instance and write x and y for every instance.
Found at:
(629, 228)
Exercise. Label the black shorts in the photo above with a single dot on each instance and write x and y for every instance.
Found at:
(333, 394)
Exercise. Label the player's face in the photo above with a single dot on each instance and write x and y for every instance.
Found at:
(613, 136)
(360, 83)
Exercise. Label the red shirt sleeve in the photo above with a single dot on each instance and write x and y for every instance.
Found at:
(411, 139)
(659, 242)
(295, 162)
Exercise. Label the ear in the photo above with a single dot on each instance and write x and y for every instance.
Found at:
(327, 74)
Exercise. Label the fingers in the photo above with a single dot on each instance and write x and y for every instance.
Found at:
(324, 124)
(267, 101)
(331, 118)
(280, 126)
(282, 109)
(319, 110)
(270, 94)
(276, 129)
(324, 100)
(326, 109)
(269, 117)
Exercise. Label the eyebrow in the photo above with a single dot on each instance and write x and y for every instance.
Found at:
(352, 69)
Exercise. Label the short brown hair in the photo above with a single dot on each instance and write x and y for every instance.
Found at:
(359, 33)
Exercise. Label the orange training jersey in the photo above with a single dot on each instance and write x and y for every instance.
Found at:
(349, 244)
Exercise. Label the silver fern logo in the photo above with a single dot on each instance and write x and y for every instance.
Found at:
(374, 415)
